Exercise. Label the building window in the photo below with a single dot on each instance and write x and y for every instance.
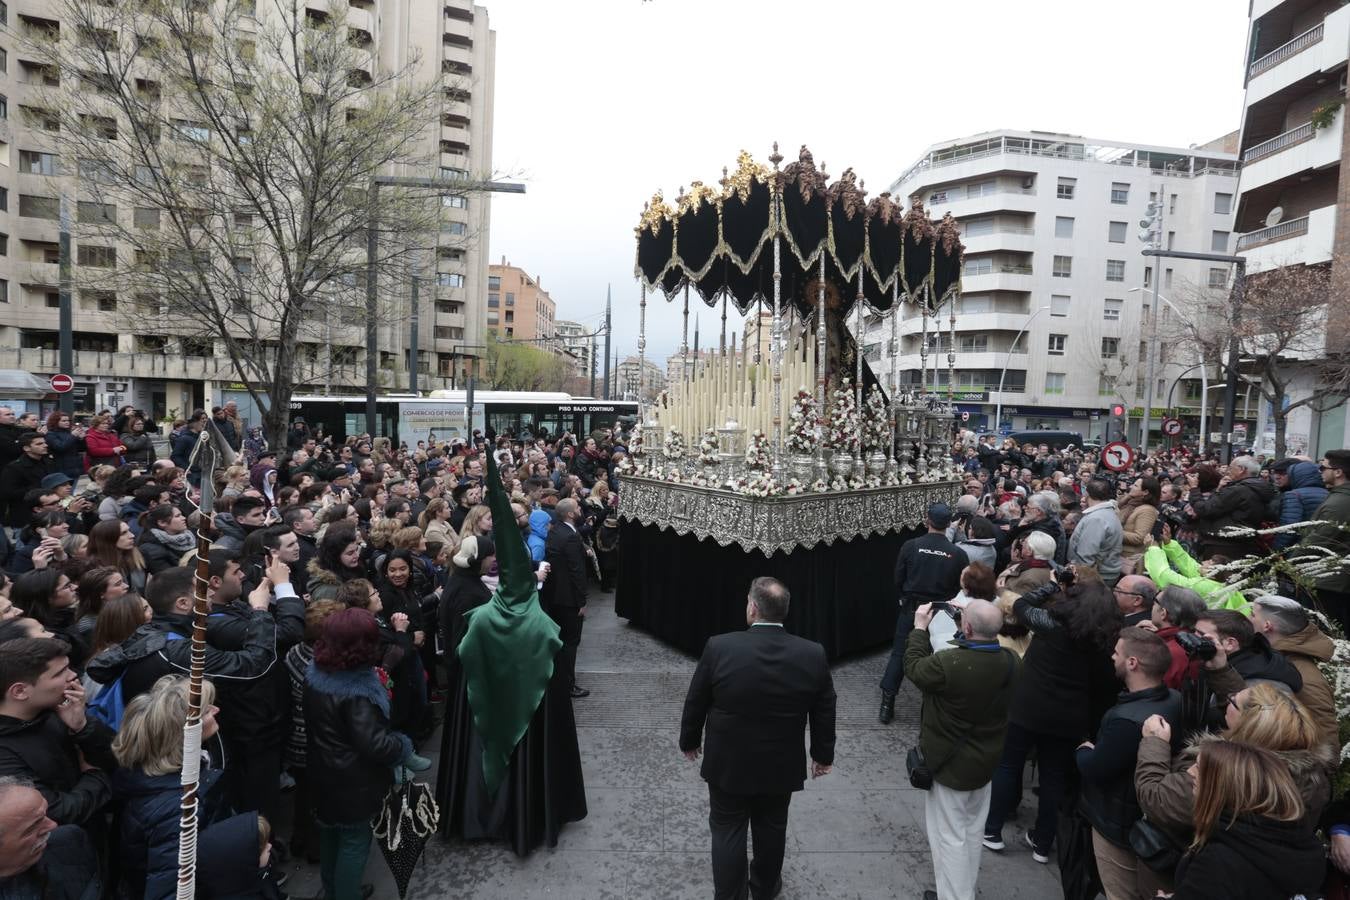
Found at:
(4, 199)
(4, 107)
(1218, 278)
(494, 283)
(1110, 347)
(1172, 204)
(4, 245)
(454, 201)
(1167, 278)
(101, 257)
(1065, 189)
(494, 300)
(53, 300)
(1106, 386)
(144, 217)
(39, 207)
(937, 197)
(510, 316)
(966, 343)
(1056, 344)
(1120, 192)
(192, 131)
(33, 162)
(1171, 239)
(492, 318)
(1063, 226)
(456, 228)
(980, 189)
(1148, 275)
(1054, 382)
(1218, 242)
(510, 299)
(449, 279)
(1115, 270)
(1115, 233)
(1059, 305)
(1223, 204)
(1111, 310)
(1063, 267)
(97, 213)
(979, 227)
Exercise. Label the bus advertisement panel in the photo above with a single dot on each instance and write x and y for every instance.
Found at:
(439, 421)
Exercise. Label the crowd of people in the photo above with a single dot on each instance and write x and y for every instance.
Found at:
(341, 578)
(1184, 735)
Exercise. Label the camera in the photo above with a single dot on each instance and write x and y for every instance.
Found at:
(1065, 577)
(953, 611)
(1196, 647)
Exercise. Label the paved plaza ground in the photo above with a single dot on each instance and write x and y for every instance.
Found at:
(856, 834)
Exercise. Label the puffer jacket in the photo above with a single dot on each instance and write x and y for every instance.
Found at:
(1335, 510)
(1242, 503)
(66, 452)
(980, 550)
(350, 749)
(1305, 650)
(140, 448)
(1253, 858)
(148, 823)
(1299, 502)
(1166, 790)
(540, 520)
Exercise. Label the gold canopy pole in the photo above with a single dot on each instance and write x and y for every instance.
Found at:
(776, 334)
(684, 339)
(895, 370)
(857, 366)
(642, 347)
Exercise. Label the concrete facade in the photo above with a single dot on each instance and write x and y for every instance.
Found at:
(1055, 288)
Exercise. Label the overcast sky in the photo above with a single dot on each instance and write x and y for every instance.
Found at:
(599, 104)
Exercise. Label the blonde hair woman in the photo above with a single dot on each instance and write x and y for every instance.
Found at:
(409, 537)
(149, 748)
(232, 482)
(477, 523)
(1250, 842)
(435, 520)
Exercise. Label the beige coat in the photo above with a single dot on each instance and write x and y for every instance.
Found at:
(1136, 522)
(1305, 650)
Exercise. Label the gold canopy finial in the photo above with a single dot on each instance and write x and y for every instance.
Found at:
(775, 157)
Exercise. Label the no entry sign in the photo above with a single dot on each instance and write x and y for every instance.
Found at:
(1117, 456)
(62, 383)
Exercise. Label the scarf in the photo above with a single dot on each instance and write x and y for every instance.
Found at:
(508, 647)
(181, 543)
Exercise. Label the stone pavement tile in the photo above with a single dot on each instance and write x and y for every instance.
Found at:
(876, 742)
(635, 757)
(1015, 875)
(671, 876)
(490, 872)
(851, 875)
(864, 772)
(686, 824)
(618, 819)
(865, 821)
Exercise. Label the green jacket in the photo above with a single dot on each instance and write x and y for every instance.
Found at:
(1171, 564)
(961, 686)
(1335, 509)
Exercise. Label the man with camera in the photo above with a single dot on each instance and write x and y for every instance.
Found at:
(1175, 612)
(965, 715)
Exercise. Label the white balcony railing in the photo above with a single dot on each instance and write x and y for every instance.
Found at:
(1282, 231)
(1279, 142)
(1287, 50)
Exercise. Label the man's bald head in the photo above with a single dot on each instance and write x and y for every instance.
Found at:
(1135, 593)
(983, 620)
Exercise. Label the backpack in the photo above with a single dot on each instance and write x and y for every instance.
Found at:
(109, 706)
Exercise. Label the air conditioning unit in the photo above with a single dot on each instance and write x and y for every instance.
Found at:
(1030, 181)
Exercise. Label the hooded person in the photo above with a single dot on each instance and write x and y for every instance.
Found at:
(510, 764)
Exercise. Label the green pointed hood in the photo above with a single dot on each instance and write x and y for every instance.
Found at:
(508, 648)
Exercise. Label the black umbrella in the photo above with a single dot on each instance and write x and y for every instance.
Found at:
(407, 819)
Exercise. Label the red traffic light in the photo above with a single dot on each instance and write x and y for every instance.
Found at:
(1118, 409)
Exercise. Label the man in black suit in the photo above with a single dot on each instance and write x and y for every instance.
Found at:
(756, 689)
(564, 594)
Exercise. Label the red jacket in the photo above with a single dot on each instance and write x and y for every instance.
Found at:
(1182, 666)
(101, 447)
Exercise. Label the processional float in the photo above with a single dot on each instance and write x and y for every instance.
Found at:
(815, 254)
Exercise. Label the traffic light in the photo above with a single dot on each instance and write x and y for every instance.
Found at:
(1120, 420)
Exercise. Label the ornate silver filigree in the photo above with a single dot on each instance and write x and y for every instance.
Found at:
(768, 524)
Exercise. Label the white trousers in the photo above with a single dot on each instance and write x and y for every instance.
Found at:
(955, 821)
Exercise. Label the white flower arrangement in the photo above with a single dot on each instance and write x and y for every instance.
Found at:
(843, 433)
(820, 486)
(757, 452)
(876, 421)
(803, 420)
(707, 447)
(674, 446)
(794, 488)
(760, 483)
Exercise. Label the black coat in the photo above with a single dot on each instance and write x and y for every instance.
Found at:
(44, 752)
(256, 711)
(140, 448)
(149, 654)
(1253, 858)
(9, 443)
(148, 826)
(1244, 503)
(158, 557)
(756, 691)
(566, 584)
(350, 749)
(17, 479)
(928, 569)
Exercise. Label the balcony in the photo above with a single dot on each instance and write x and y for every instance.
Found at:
(1000, 278)
(1013, 199)
(94, 364)
(1307, 239)
(1321, 48)
(1011, 239)
(996, 321)
(1297, 151)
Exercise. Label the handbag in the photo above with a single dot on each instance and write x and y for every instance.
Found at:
(920, 774)
(1154, 847)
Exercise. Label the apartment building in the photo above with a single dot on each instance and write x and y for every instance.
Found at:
(120, 358)
(518, 307)
(1056, 294)
(632, 377)
(578, 342)
(1294, 195)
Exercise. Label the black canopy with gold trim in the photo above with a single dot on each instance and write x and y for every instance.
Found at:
(720, 243)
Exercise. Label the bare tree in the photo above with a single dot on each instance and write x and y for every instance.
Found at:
(1288, 325)
(224, 160)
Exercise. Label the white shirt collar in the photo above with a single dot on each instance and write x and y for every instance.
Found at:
(767, 624)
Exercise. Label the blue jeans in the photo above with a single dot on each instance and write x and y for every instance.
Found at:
(343, 850)
(895, 666)
(1054, 761)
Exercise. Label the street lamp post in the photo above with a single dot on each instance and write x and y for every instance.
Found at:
(998, 409)
(1202, 366)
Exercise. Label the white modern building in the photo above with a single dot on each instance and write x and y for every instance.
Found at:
(1056, 294)
(1294, 195)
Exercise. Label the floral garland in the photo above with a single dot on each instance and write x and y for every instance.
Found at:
(843, 431)
(876, 421)
(674, 446)
(757, 452)
(758, 483)
(708, 446)
(803, 420)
